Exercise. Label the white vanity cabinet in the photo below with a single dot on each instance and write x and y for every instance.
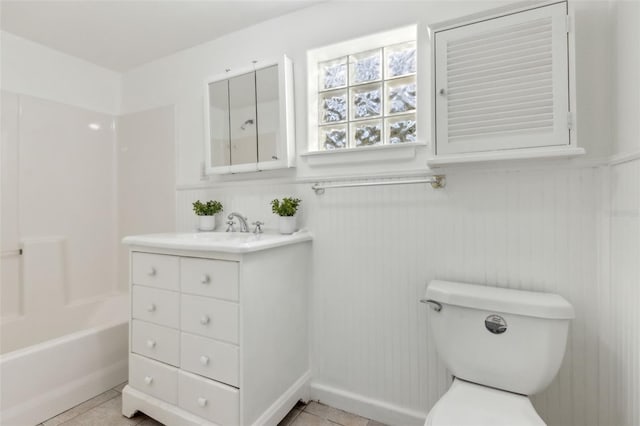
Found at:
(217, 338)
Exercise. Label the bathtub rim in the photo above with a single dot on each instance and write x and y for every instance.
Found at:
(59, 340)
(54, 394)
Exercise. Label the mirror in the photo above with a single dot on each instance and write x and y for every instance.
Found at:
(269, 113)
(242, 119)
(249, 120)
(219, 123)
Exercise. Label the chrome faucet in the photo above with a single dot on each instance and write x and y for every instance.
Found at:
(244, 227)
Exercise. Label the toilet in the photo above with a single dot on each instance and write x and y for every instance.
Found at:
(501, 345)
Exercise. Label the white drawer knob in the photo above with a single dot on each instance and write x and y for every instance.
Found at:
(204, 320)
(148, 380)
(202, 402)
(151, 307)
(204, 360)
(204, 279)
(151, 344)
(151, 272)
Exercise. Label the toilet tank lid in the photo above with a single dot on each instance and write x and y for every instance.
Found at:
(511, 301)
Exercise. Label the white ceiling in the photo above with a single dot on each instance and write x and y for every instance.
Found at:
(122, 34)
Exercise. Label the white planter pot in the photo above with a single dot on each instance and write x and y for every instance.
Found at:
(207, 223)
(287, 224)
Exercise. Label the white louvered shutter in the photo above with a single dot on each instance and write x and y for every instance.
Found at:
(502, 83)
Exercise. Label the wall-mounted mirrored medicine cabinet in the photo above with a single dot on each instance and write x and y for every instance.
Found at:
(249, 119)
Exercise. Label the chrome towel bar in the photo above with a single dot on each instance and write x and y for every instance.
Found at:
(437, 182)
(10, 253)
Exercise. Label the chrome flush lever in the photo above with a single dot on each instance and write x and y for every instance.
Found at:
(436, 306)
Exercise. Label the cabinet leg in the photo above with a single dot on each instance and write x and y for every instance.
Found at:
(128, 410)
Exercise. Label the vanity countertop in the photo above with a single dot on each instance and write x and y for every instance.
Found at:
(229, 242)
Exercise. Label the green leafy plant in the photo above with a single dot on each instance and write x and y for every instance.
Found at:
(286, 207)
(209, 208)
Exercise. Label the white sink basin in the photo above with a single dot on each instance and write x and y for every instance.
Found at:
(230, 242)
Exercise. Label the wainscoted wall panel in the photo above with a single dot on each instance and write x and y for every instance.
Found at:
(376, 248)
(623, 343)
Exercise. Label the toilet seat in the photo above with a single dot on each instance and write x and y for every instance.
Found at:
(469, 404)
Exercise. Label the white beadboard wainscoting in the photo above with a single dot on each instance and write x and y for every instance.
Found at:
(621, 351)
(376, 248)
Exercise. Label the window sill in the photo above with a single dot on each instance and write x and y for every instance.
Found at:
(369, 154)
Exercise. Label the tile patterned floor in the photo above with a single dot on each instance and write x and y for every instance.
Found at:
(105, 410)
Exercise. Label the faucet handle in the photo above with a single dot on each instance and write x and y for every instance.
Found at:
(230, 227)
(258, 227)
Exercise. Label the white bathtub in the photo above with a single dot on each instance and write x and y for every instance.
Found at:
(40, 380)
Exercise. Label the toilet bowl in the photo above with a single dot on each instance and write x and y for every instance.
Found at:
(466, 403)
(500, 345)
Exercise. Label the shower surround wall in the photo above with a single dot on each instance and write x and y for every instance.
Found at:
(533, 226)
(58, 184)
(63, 325)
(58, 180)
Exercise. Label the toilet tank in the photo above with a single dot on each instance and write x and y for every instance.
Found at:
(503, 338)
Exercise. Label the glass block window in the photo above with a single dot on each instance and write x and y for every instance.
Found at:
(368, 98)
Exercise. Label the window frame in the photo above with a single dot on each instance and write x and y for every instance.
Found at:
(317, 156)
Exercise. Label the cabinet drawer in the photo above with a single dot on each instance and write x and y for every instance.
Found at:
(210, 358)
(154, 378)
(156, 270)
(209, 399)
(155, 341)
(212, 278)
(156, 306)
(210, 318)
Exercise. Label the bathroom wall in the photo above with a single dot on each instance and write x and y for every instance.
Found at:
(146, 178)
(376, 248)
(58, 179)
(32, 69)
(178, 79)
(533, 226)
(621, 345)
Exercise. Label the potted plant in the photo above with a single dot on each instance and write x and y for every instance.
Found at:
(207, 213)
(286, 209)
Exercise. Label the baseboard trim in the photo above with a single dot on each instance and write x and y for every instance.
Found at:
(279, 409)
(367, 407)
